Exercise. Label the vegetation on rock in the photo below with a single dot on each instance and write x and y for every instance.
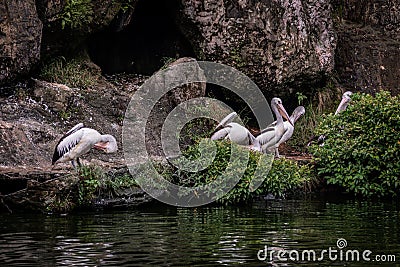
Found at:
(362, 146)
(277, 177)
(94, 183)
(73, 72)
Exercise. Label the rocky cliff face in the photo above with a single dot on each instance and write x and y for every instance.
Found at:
(20, 38)
(274, 42)
(280, 44)
(368, 52)
(31, 30)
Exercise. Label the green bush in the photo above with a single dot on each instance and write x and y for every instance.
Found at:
(361, 150)
(284, 176)
(76, 14)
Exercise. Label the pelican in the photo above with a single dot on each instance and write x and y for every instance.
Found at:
(270, 137)
(342, 106)
(344, 103)
(78, 141)
(234, 132)
(288, 127)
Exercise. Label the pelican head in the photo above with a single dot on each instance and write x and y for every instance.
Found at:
(108, 144)
(297, 113)
(346, 98)
(276, 105)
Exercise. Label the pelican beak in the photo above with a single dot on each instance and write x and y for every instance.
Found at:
(284, 114)
(101, 146)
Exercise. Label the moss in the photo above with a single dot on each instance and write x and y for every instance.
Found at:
(236, 56)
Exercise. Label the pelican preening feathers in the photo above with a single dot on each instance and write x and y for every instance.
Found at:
(78, 141)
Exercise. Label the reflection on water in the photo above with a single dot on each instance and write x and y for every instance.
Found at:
(160, 235)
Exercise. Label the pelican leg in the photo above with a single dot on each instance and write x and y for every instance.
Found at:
(79, 162)
(277, 152)
(73, 164)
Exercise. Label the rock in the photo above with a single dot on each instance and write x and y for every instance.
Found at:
(170, 100)
(62, 192)
(187, 91)
(368, 52)
(20, 38)
(273, 42)
(53, 95)
(67, 26)
(25, 141)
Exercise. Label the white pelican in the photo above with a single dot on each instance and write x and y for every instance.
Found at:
(270, 137)
(235, 132)
(80, 140)
(288, 127)
(342, 106)
(344, 103)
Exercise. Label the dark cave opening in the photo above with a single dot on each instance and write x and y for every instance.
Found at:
(150, 40)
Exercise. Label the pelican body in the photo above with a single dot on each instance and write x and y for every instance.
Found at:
(288, 127)
(235, 132)
(78, 141)
(271, 136)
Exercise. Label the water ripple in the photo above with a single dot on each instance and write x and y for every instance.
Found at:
(209, 236)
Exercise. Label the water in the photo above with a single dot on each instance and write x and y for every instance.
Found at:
(160, 235)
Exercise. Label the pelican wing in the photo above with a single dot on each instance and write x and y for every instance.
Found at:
(67, 142)
(227, 119)
(221, 133)
(270, 128)
(74, 129)
(251, 137)
(266, 137)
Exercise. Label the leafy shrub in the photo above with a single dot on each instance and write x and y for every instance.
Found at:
(285, 175)
(361, 150)
(76, 13)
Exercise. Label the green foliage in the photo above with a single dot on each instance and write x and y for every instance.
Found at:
(324, 100)
(362, 146)
(284, 176)
(166, 61)
(94, 183)
(300, 98)
(126, 5)
(88, 184)
(76, 14)
(71, 72)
